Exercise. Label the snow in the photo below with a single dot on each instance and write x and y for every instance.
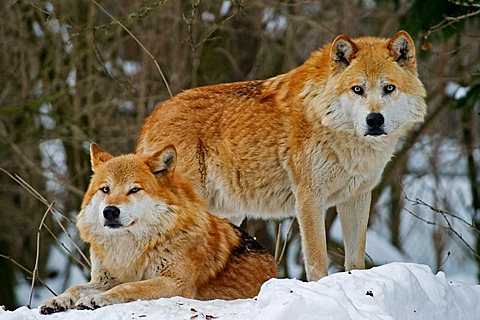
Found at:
(455, 90)
(393, 291)
(67, 274)
(378, 249)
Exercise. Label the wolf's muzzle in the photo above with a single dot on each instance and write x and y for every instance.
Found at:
(375, 123)
(111, 214)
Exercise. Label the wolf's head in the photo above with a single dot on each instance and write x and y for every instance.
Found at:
(131, 194)
(372, 89)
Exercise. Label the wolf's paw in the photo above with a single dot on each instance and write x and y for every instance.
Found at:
(57, 304)
(92, 302)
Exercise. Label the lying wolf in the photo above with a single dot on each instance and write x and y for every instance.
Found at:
(298, 143)
(151, 236)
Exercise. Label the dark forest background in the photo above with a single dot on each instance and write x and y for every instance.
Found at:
(75, 71)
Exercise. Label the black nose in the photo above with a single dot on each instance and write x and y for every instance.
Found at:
(111, 213)
(375, 120)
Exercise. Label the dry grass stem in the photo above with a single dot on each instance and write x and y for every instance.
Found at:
(37, 254)
(277, 242)
(39, 197)
(19, 265)
(286, 239)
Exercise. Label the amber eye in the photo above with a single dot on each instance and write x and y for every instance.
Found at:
(357, 90)
(105, 189)
(134, 190)
(389, 88)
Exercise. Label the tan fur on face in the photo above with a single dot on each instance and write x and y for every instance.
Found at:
(297, 143)
(167, 244)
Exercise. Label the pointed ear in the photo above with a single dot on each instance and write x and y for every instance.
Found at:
(98, 155)
(402, 49)
(342, 52)
(163, 161)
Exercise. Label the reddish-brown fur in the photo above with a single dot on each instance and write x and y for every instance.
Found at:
(169, 244)
(297, 143)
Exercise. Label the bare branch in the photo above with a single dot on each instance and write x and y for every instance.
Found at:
(449, 228)
(139, 43)
(448, 21)
(469, 4)
(418, 201)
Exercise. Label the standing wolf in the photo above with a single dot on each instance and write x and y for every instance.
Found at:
(298, 143)
(151, 236)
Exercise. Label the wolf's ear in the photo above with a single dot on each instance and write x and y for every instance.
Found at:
(402, 49)
(163, 161)
(342, 52)
(98, 155)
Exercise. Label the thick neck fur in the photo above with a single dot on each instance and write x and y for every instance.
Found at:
(130, 251)
(119, 250)
(301, 93)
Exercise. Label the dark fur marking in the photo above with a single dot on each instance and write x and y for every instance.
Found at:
(239, 177)
(340, 52)
(343, 60)
(202, 166)
(167, 161)
(247, 244)
(250, 90)
(402, 52)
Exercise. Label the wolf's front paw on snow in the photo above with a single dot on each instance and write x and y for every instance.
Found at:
(57, 304)
(93, 301)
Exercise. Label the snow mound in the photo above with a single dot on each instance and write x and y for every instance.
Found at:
(393, 291)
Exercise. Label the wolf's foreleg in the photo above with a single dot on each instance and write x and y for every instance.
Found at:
(354, 219)
(161, 287)
(100, 282)
(69, 298)
(311, 219)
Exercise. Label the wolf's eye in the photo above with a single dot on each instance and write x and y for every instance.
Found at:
(105, 189)
(134, 190)
(389, 88)
(357, 90)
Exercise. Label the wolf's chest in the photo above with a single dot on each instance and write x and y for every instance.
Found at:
(349, 186)
(340, 178)
(124, 262)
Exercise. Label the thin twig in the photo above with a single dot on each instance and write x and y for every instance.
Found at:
(18, 264)
(418, 201)
(33, 192)
(37, 254)
(73, 242)
(139, 43)
(465, 3)
(277, 242)
(445, 260)
(70, 253)
(138, 14)
(39, 197)
(286, 240)
(449, 228)
(459, 236)
(190, 22)
(447, 21)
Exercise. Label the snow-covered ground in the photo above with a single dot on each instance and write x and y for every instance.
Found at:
(393, 291)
